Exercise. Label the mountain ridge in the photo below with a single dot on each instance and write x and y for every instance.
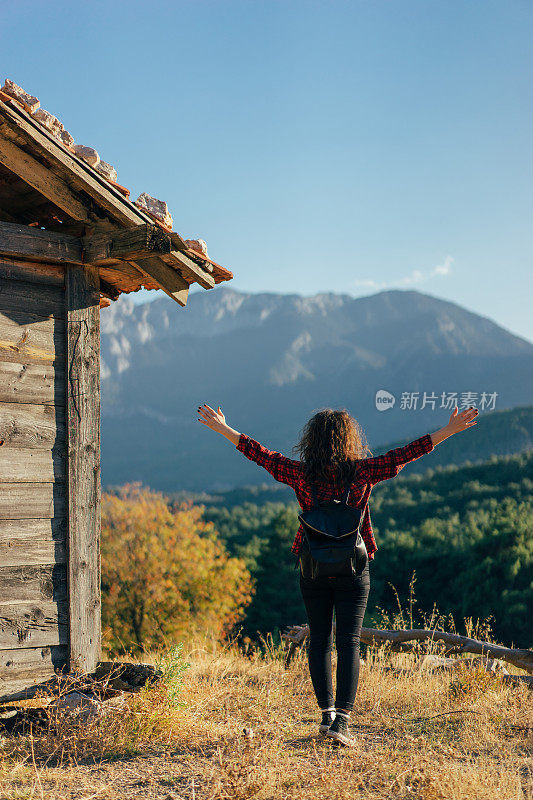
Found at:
(229, 300)
(270, 360)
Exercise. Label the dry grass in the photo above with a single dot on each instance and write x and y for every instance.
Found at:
(408, 745)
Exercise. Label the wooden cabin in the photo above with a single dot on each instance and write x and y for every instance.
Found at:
(71, 242)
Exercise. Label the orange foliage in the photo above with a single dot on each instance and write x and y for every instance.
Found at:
(165, 574)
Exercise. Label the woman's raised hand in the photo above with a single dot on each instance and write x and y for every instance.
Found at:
(217, 422)
(462, 421)
(213, 419)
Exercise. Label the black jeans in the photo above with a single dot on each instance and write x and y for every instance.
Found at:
(348, 596)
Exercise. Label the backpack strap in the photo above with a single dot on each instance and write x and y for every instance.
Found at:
(346, 493)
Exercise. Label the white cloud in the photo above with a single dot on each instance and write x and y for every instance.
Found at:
(415, 277)
(367, 283)
(445, 267)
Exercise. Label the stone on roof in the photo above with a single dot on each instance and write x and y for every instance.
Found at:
(28, 101)
(54, 125)
(48, 121)
(107, 171)
(157, 209)
(198, 245)
(66, 138)
(88, 154)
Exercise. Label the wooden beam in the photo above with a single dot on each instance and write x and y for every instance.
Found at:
(25, 670)
(83, 465)
(23, 553)
(43, 179)
(125, 276)
(141, 244)
(177, 241)
(67, 168)
(109, 291)
(168, 279)
(29, 671)
(143, 241)
(21, 241)
(189, 269)
(32, 271)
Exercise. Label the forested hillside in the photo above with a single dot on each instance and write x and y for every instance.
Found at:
(464, 531)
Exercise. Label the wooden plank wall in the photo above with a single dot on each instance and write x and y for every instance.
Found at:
(34, 624)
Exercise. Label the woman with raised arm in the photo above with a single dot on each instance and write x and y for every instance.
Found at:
(334, 454)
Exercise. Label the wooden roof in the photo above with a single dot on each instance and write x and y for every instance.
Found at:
(45, 186)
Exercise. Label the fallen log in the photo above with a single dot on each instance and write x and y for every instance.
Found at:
(405, 641)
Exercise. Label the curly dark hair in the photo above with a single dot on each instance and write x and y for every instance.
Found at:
(331, 443)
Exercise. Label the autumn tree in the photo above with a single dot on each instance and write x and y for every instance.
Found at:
(277, 598)
(165, 574)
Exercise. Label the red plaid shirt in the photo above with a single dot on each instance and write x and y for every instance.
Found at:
(369, 471)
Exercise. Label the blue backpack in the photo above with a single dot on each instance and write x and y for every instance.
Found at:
(332, 545)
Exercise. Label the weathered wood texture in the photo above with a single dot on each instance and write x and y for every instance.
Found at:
(30, 340)
(32, 501)
(173, 271)
(83, 466)
(24, 668)
(127, 277)
(42, 178)
(33, 558)
(31, 383)
(34, 583)
(22, 240)
(189, 269)
(53, 274)
(30, 624)
(143, 241)
(22, 465)
(32, 436)
(168, 278)
(36, 542)
(41, 301)
(32, 426)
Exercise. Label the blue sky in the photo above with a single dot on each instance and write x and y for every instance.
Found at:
(316, 146)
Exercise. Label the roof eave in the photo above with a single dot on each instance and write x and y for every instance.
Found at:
(119, 210)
